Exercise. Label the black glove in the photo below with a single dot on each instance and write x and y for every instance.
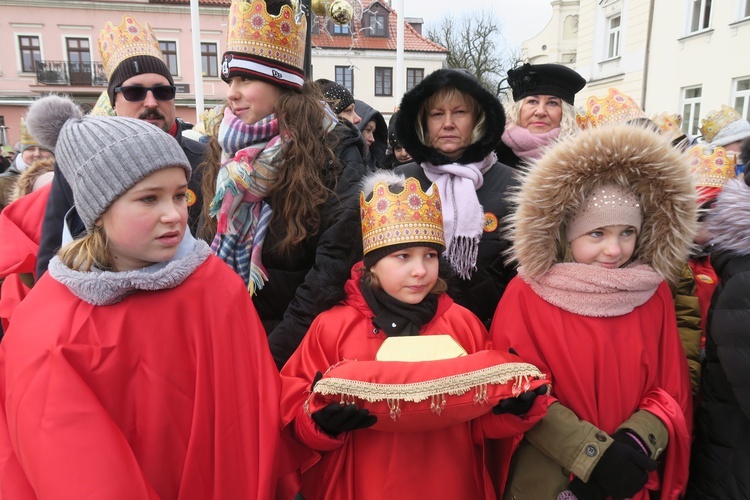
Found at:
(587, 491)
(622, 470)
(631, 439)
(521, 404)
(335, 418)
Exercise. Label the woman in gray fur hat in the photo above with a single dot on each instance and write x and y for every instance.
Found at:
(114, 384)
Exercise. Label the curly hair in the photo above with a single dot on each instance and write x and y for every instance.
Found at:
(568, 125)
(307, 165)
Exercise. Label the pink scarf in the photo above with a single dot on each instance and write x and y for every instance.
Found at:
(525, 144)
(595, 291)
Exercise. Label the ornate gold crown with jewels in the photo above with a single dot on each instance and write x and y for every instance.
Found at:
(265, 46)
(717, 120)
(117, 43)
(409, 216)
(711, 168)
(616, 108)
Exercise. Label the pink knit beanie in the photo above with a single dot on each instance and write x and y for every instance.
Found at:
(606, 205)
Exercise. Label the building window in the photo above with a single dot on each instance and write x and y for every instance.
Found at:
(378, 24)
(742, 97)
(345, 77)
(413, 77)
(30, 53)
(209, 59)
(745, 9)
(691, 110)
(339, 29)
(169, 49)
(700, 15)
(383, 81)
(79, 61)
(613, 36)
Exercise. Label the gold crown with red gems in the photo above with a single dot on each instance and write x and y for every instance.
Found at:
(117, 43)
(408, 216)
(265, 46)
(669, 124)
(717, 120)
(710, 170)
(614, 109)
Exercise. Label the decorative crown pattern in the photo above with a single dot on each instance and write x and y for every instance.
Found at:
(129, 39)
(252, 30)
(717, 120)
(614, 109)
(711, 169)
(411, 216)
(669, 124)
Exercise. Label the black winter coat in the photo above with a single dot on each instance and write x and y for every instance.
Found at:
(291, 299)
(720, 462)
(61, 200)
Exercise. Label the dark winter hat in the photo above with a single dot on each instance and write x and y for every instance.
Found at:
(545, 79)
(265, 46)
(101, 157)
(392, 137)
(337, 96)
(133, 66)
(463, 81)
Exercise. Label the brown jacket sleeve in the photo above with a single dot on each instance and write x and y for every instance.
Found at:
(688, 313)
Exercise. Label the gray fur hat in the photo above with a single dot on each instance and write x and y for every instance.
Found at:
(101, 157)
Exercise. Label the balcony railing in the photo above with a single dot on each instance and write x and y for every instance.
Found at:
(70, 73)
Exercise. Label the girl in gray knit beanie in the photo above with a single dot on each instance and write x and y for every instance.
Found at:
(137, 366)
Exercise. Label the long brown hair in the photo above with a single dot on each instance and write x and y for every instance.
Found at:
(306, 170)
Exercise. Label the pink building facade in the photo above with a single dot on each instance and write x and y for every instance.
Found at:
(52, 47)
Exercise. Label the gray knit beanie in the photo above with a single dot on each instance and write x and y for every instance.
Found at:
(101, 157)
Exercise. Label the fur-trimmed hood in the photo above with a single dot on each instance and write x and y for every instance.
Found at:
(557, 184)
(412, 101)
(727, 221)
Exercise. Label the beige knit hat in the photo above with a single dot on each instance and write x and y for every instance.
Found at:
(606, 205)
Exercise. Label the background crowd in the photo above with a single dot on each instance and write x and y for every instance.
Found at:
(258, 307)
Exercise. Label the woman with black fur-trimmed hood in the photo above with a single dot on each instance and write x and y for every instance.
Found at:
(602, 222)
(451, 125)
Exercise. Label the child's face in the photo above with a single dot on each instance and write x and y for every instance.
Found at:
(409, 274)
(368, 133)
(608, 246)
(147, 223)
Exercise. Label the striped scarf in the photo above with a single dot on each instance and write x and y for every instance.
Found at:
(243, 182)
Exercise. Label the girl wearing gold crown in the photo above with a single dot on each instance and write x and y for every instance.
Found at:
(394, 296)
(285, 195)
(597, 232)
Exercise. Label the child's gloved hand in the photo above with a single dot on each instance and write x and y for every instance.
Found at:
(520, 404)
(336, 418)
(623, 469)
(587, 491)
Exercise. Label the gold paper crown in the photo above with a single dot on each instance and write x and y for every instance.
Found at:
(410, 216)
(669, 124)
(711, 168)
(117, 43)
(614, 109)
(717, 120)
(253, 31)
(103, 107)
(26, 138)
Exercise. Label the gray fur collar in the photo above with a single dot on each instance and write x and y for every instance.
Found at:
(728, 222)
(102, 288)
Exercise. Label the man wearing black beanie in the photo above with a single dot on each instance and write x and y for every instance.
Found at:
(139, 86)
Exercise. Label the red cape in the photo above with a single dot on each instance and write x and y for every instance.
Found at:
(370, 464)
(604, 369)
(20, 231)
(167, 394)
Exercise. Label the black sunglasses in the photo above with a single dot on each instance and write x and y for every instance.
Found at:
(135, 93)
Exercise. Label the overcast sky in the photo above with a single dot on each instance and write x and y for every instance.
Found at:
(521, 19)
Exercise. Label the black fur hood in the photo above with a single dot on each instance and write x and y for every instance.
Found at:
(467, 83)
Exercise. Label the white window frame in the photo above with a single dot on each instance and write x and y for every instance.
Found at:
(743, 9)
(701, 23)
(741, 97)
(614, 36)
(691, 110)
